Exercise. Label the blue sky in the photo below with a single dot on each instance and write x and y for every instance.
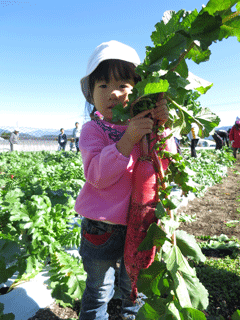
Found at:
(45, 46)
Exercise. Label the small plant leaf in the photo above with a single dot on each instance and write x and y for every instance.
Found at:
(188, 246)
(192, 314)
(236, 315)
(155, 237)
(150, 279)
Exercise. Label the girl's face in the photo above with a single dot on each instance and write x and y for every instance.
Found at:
(106, 95)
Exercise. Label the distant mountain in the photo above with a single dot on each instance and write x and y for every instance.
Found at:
(31, 133)
(218, 128)
(224, 128)
(4, 130)
(44, 132)
(49, 132)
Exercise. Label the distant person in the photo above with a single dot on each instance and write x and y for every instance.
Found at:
(220, 137)
(234, 136)
(224, 135)
(72, 145)
(76, 135)
(218, 140)
(14, 140)
(62, 140)
(194, 138)
(178, 138)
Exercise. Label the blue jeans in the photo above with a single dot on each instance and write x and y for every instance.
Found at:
(102, 245)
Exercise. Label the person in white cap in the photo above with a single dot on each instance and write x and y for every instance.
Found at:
(194, 138)
(109, 152)
(14, 139)
(76, 135)
(234, 136)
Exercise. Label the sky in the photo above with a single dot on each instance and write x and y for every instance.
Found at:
(45, 46)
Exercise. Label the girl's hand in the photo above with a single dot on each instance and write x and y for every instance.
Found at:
(138, 127)
(160, 113)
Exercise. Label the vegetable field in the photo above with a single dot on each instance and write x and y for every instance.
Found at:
(37, 196)
(38, 191)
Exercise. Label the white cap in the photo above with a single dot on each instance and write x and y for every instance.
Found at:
(238, 120)
(106, 51)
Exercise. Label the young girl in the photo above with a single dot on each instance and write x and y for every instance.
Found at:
(109, 152)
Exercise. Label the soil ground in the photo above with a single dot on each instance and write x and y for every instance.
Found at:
(218, 206)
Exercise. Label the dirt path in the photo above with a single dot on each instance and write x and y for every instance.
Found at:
(218, 206)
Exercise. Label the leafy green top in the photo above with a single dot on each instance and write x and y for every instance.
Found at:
(179, 36)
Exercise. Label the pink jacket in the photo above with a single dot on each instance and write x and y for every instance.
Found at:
(234, 135)
(106, 193)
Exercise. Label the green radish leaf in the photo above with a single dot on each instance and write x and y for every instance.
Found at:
(1, 308)
(172, 311)
(204, 25)
(168, 204)
(170, 225)
(120, 113)
(236, 315)
(160, 211)
(218, 6)
(230, 28)
(208, 119)
(175, 262)
(151, 85)
(185, 279)
(13, 195)
(8, 316)
(150, 280)
(171, 23)
(198, 55)
(188, 246)
(181, 69)
(32, 264)
(3, 275)
(192, 314)
(160, 64)
(68, 276)
(151, 309)
(181, 290)
(61, 295)
(176, 81)
(197, 292)
(159, 308)
(152, 88)
(171, 50)
(155, 237)
(9, 250)
(167, 27)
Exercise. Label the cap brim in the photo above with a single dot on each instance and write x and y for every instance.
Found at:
(85, 88)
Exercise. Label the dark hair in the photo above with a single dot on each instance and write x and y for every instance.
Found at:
(61, 129)
(120, 70)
